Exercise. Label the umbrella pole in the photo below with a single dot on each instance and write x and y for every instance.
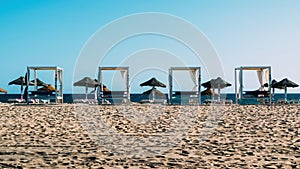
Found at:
(219, 93)
(153, 94)
(273, 95)
(285, 93)
(21, 92)
(213, 94)
(86, 90)
(96, 91)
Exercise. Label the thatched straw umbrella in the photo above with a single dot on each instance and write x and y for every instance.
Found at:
(273, 86)
(284, 84)
(20, 81)
(39, 82)
(47, 88)
(218, 83)
(88, 82)
(154, 83)
(3, 91)
(155, 91)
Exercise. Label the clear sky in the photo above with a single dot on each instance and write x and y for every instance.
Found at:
(53, 32)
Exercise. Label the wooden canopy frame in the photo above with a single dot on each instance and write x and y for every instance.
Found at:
(58, 77)
(198, 92)
(101, 93)
(238, 75)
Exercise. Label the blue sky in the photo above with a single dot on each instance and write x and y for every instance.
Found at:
(249, 32)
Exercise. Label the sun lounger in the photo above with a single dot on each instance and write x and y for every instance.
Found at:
(85, 101)
(113, 97)
(42, 96)
(294, 101)
(16, 101)
(156, 101)
(283, 101)
(21, 101)
(185, 97)
(211, 101)
(256, 93)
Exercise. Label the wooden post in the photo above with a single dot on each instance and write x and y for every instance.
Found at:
(199, 85)
(127, 85)
(27, 84)
(235, 80)
(241, 83)
(100, 83)
(270, 81)
(35, 85)
(55, 85)
(170, 86)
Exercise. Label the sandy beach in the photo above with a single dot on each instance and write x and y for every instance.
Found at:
(141, 136)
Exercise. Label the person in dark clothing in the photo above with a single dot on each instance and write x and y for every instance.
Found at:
(25, 95)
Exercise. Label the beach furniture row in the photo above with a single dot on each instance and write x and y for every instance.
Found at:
(102, 95)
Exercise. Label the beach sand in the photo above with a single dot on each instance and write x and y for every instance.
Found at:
(142, 136)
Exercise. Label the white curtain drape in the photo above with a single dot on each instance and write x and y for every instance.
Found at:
(60, 82)
(60, 77)
(267, 77)
(260, 78)
(194, 77)
(123, 74)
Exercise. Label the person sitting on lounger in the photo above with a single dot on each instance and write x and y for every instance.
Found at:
(261, 92)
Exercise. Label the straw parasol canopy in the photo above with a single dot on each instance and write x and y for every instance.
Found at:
(153, 82)
(218, 83)
(47, 88)
(3, 91)
(274, 84)
(284, 84)
(20, 81)
(155, 91)
(86, 82)
(39, 82)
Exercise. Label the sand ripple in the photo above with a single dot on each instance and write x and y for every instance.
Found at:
(67, 136)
